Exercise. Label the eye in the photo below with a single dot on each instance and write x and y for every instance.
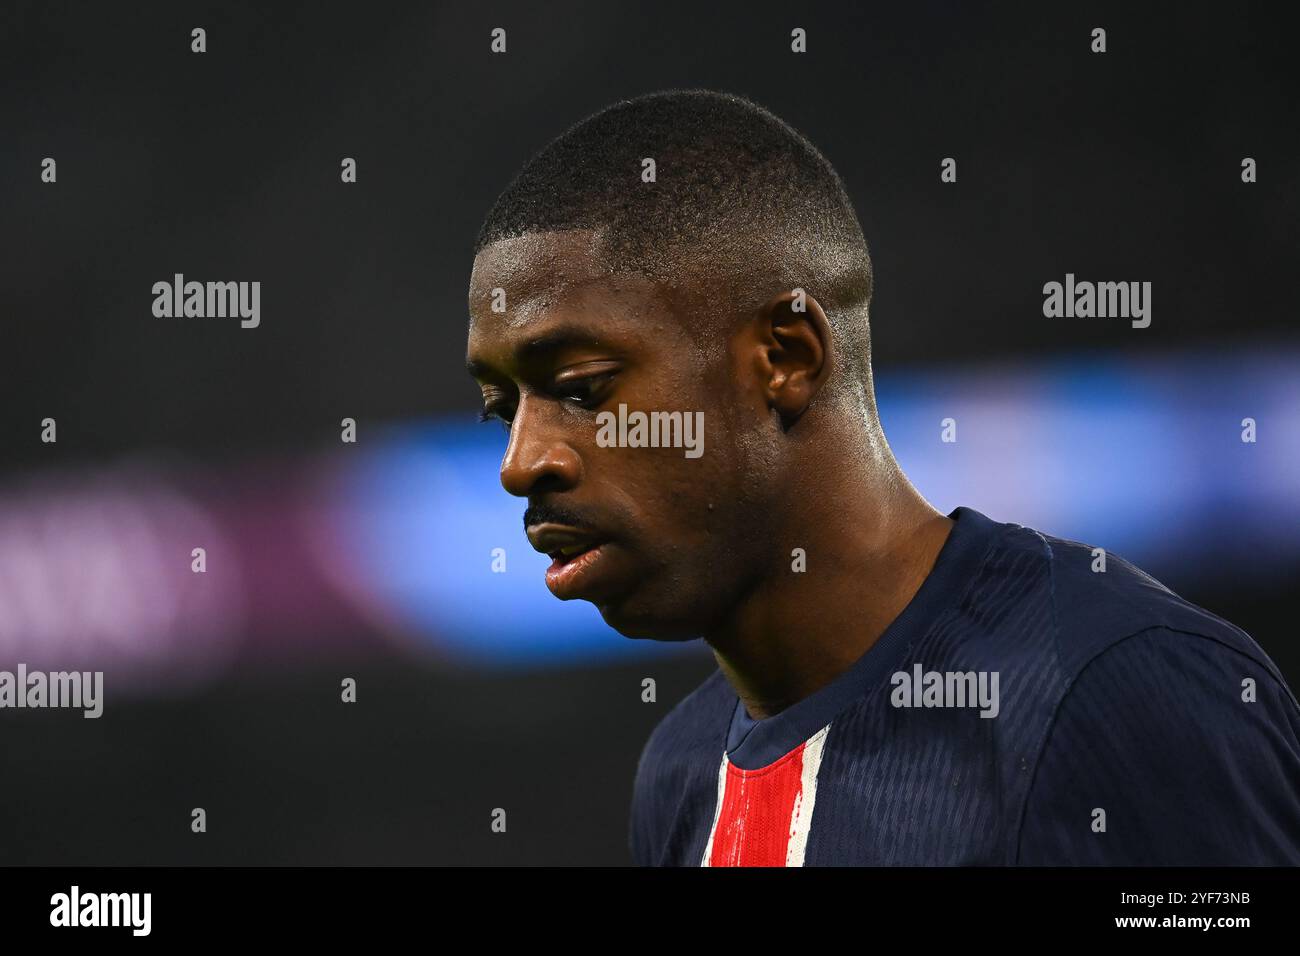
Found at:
(585, 392)
(489, 414)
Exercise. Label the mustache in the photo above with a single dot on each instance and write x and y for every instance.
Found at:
(544, 514)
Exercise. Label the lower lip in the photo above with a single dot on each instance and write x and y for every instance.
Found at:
(567, 580)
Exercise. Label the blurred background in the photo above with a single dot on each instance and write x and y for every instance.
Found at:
(373, 560)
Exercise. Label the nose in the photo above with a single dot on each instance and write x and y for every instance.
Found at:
(537, 459)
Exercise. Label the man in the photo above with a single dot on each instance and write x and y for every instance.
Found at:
(894, 685)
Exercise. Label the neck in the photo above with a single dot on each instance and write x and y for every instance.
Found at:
(870, 540)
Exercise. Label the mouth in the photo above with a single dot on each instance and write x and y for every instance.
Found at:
(574, 556)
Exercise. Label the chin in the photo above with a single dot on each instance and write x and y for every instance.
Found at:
(643, 622)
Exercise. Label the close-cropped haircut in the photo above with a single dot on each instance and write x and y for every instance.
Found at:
(741, 207)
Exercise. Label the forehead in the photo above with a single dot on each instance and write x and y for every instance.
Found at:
(533, 264)
(556, 282)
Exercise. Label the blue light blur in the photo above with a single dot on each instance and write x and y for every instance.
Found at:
(1140, 455)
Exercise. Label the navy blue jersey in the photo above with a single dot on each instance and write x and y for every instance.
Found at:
(1030, 705)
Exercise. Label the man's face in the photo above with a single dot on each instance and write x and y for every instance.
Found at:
(663, 544)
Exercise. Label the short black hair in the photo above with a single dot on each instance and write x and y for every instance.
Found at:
(741, 203)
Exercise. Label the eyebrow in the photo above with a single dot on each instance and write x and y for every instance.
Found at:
(545, 344)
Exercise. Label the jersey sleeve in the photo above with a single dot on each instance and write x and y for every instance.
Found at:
(1170, 748)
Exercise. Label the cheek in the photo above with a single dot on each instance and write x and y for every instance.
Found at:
(663, 486)
(701, 494)
(707, 501)
(680, 509)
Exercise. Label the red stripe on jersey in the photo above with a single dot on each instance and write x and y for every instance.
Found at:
(753, 825)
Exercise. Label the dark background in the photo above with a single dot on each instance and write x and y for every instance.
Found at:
(226, 165)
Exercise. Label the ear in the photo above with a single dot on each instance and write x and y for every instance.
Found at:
(795, 352)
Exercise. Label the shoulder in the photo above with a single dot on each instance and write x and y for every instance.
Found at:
(699, 720)
(1095, 600)
(1170, 746)
(677, 771)
(1162, 733)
